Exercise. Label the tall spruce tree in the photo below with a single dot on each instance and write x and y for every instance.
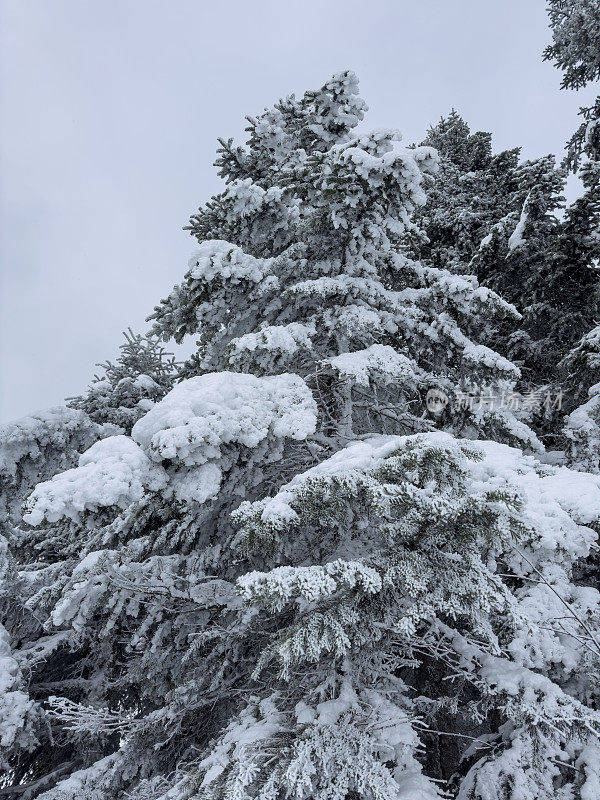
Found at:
(472, 191)
(575, 49)
(283, 583)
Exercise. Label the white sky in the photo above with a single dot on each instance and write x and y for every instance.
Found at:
(109, 114)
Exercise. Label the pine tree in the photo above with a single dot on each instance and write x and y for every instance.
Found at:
(128, 389)
(284, 582)
(471, 192)
(575, 50)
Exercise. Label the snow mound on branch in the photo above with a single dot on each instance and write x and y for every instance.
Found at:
(380, 359)
(282, 338)
(113, 472)
(198, 484)
(559, 501)
(217, 258)
(188, 426)
(201, 414)
(29, 435)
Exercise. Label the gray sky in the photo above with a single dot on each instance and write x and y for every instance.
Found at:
(110, 110)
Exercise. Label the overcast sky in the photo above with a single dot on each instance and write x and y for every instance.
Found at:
(110, 110)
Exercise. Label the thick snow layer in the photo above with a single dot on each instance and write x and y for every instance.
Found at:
(198, 484)
(189, 427)
(28, 436)
(201, 414)
(113, 472)
(378, 359)
(217, 258)
(558, 500)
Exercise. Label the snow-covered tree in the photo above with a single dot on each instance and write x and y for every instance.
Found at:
(575, 49)
(548, 267)
(281, 581)
(408, 600)
(35, 448)
(129, 388)
(581, 368)
(519, 259)
(471, 192)
(330, 292)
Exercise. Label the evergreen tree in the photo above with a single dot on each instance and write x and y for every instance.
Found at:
(581, 368)
(128, 389)
(575, 49)
(283, 582)
(548, 267)
(471, 192)
(521, 259)
(369, 328)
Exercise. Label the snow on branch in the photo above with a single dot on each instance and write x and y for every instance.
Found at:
(113, 472)
(281, 585)
(201, 414)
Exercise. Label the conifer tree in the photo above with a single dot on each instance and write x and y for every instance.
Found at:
(284, 583)
(581, 370)
(525, 258)
(128, 389)
(337, 298)
(471, 192)
(575, 49)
